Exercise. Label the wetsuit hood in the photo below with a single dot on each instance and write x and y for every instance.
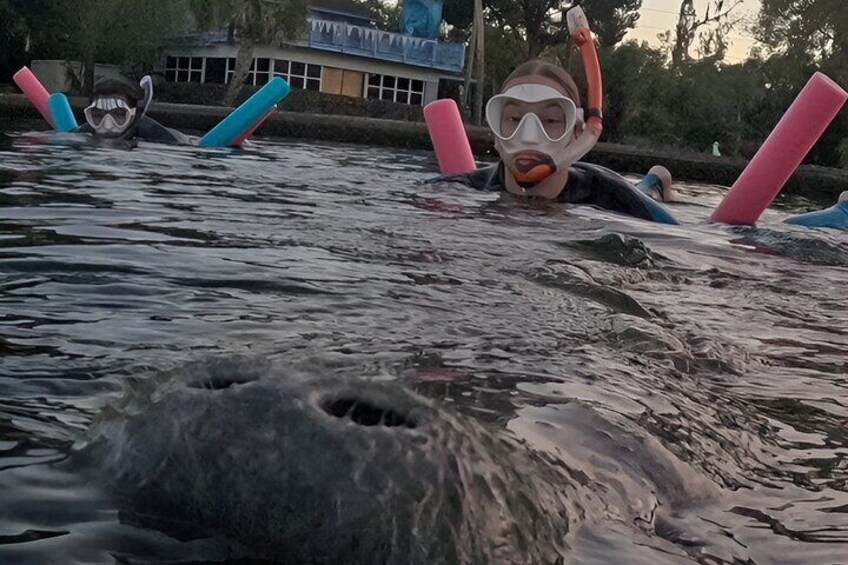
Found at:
(114, 111)
(118, 87)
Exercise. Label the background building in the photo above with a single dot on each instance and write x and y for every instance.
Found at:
(343, 53)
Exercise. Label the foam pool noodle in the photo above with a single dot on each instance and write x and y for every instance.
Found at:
(835, 217)
(247, 116)
(62, 113)
(450, 141)
(795, 134)
(35, 92)
(240, 141)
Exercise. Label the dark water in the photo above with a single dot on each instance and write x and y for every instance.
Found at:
(697, 375)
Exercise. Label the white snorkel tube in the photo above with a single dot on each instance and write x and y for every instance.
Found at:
(147, 84)
(578, 27)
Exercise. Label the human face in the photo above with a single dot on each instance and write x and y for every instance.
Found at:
(533, 124)
(110, 116)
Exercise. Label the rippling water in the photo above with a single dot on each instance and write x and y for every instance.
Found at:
(698, 374)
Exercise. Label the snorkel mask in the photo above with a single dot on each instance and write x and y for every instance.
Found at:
(112, 112)
(534, 123)
(110, 116)
(534, 126)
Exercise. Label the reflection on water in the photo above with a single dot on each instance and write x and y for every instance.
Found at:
(696, 376)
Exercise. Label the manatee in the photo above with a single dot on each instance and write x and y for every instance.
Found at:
(303, 468)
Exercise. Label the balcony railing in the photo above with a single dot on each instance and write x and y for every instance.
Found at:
(342, 37)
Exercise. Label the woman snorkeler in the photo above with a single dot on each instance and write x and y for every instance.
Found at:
(540, 132)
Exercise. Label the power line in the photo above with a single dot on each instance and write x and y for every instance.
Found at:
(674, 13)
(660, 11)
(745, 38)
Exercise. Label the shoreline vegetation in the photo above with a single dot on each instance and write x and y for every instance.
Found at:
(820, 184)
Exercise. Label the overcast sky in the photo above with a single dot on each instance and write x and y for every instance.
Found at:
(660, 15)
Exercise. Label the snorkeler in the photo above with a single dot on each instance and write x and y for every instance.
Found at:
(118, 109)
(540, 132)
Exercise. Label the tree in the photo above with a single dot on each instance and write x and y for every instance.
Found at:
(688, 24)
(388, 14)
(531, 20)
(634, 79)
(818, 28)
(504, 52)
(251, 22)
(804, 36)
(13, 38)
(124, 32)
(541, 23)
(476, 63)
(43, 29)
(459, 13)
(479, 56)
(129, 33)
(611, 20)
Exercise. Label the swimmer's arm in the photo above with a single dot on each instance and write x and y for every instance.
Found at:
(151, 130)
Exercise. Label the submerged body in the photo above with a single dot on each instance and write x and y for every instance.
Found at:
(312, 470)
(585, 184)
(147, 129)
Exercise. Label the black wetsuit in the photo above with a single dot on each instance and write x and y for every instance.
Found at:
(147, 129)
(587, 184)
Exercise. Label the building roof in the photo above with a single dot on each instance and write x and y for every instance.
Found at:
(198, 39)
(350, 8)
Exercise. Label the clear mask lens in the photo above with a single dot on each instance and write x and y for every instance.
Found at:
(115, 108)
(555, 114)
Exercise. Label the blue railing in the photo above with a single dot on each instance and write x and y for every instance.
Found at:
(342, 37)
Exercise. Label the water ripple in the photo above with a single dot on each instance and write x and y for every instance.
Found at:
(697, 374)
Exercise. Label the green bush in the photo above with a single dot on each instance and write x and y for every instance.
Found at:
(305, 101)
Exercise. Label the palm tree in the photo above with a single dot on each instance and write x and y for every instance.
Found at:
(252, 22)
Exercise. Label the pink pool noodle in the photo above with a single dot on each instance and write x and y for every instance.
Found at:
(255, 127)
(35, 92)
(449, 137)
(798, 130)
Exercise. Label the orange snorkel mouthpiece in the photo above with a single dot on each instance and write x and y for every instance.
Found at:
(534, 176)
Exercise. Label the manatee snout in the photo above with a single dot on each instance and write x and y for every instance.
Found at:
(301, 468)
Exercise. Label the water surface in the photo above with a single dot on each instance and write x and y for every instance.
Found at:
(696, 370)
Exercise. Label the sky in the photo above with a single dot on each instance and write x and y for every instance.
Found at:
(657, 16)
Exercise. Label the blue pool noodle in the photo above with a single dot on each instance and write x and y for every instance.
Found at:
(245, 116)
(834, 217)
(63, 115)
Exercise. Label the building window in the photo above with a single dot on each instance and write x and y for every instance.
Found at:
(261, 71)
(396, 89)
(254, 77)
(299, 75)
(216, 70)
(184, 69)
(220, 71)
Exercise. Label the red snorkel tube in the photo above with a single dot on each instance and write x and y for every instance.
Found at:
(578, 27)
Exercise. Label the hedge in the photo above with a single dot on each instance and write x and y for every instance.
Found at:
(298, 101)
